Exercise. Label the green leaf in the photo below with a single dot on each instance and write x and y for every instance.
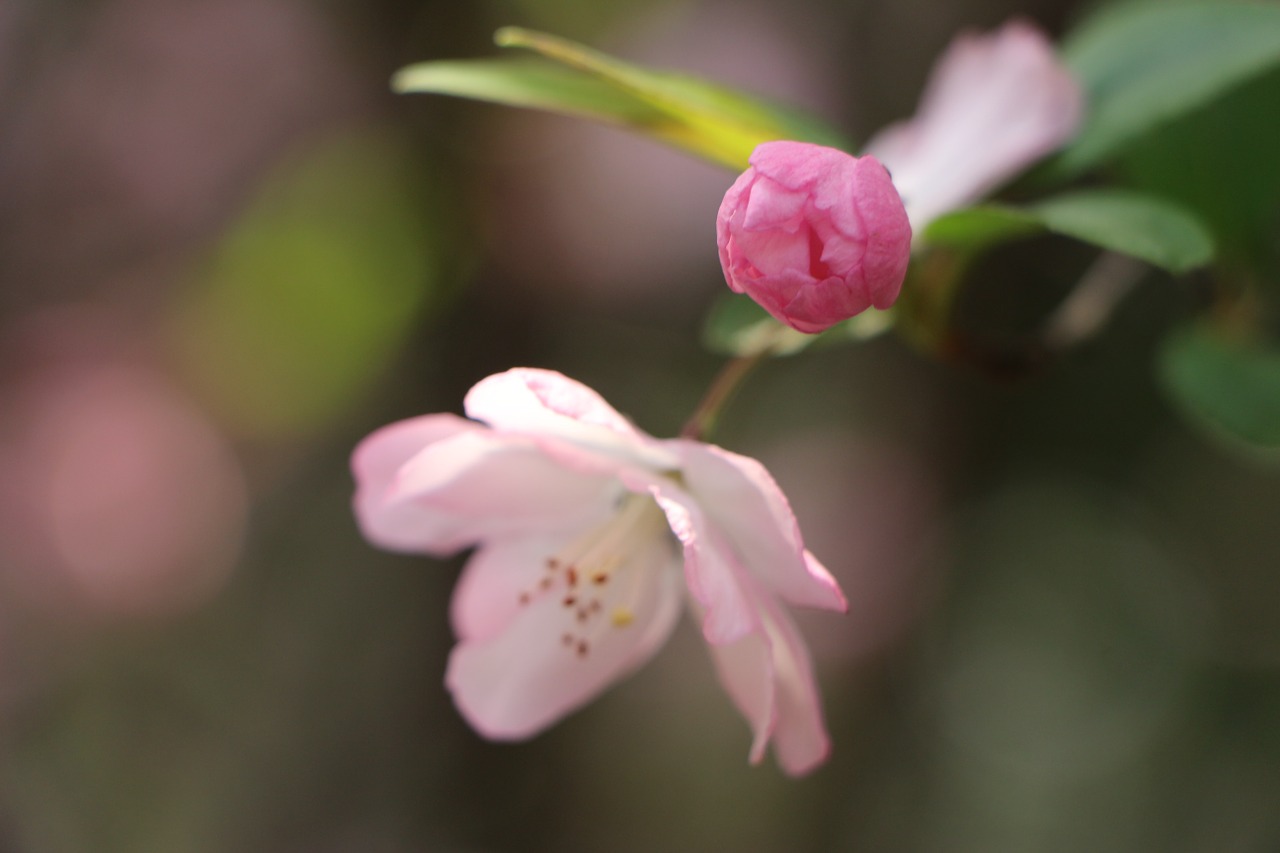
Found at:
(531, 83)
(1230, 386)
(313, 290)
(1141, 226)
(1143, 64)
(982, 226)
(714, 122)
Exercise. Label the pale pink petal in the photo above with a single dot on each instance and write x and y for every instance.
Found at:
(377, 459)
(770, 678)
(712, 570)
(745, 503)
(504, 573)
(477, 485)
(745, 668)
(545, 403)
(548, 662)
(994, 104)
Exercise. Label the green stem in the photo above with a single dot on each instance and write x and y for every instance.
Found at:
(727, 381)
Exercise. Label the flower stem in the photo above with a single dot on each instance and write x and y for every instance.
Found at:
(722, 388)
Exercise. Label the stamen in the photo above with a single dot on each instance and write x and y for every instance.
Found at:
(612, 548)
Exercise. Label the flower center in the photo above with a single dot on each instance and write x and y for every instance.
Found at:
(599, 577)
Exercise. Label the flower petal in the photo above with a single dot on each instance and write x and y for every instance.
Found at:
(377, 461)
(993, 105)
(745, 503)
(770, 678)
(503, 573)
(712, 570)
(515, 684)
(545, 403)
(478, 485)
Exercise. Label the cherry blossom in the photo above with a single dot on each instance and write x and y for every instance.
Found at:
(590, 537)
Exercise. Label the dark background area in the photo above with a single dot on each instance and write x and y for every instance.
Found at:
(227, 252)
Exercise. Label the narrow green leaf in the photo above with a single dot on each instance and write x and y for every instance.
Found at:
(530, 83)
(1141, 226)
(978, 227)
(719, 124)
(1143, 64)
(1230, 386)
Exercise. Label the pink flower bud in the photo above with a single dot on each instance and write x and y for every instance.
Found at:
(813, 234)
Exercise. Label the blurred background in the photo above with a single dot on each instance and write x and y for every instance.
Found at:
(227, 252)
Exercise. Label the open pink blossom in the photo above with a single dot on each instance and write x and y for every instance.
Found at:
(814, 235)
(993, 105)
(583, 524)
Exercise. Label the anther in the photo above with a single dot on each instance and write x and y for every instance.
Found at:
(582, 648)
(570, 600)
(599, 578)
(571, 575)
(524, 598)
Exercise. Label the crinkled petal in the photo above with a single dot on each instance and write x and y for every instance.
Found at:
(772, 205)
(994, 104)
(547, 663)
(479, 485)
(770, 678)
(830, 298)
(746, 505)
(775, 253)
(545, 403)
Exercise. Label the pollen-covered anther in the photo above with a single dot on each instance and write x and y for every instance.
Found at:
(570, 600)
(621, 617)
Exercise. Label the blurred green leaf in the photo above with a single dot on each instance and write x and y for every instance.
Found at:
(981, 226)
(1143, 64)
(1231, 386)
(1237, 192)
(531, 83)
(1141, 226)
(311, 291)
(717, 123)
